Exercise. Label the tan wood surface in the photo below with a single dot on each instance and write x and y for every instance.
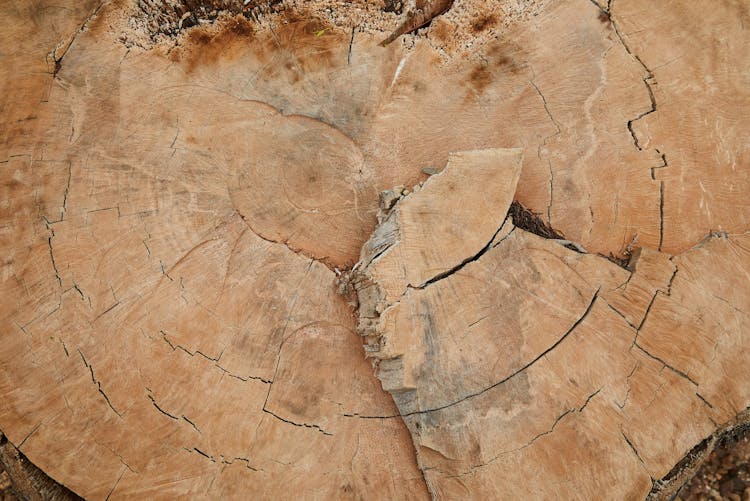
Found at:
(185, 194)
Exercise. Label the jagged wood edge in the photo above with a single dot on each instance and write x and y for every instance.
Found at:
(669, 486)
(28, 480)
(663, 489)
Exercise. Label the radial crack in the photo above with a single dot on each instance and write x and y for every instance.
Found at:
(158, 407)
(215, 360)
(542, 145)
(190, 353)
(463, 263)
(703, 399)
(648, 80)
(536, 437)
(668, 366)
(58, 59)
(52, 257)
(222, 459)
(351, 44)
(299, 251)
(635, 452)
(109, 494)
(98, 384)
(303, 425)
(661, 215)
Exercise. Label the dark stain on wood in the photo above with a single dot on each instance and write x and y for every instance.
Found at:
(483, 23)
(480, 77)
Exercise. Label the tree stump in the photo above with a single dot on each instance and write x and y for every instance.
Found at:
(251, 252)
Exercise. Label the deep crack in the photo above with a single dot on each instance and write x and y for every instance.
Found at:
(58, 60)
(635, 452)
(98, 384)
(648, 80)
(522, 369)
(303, 425)
(463, 263)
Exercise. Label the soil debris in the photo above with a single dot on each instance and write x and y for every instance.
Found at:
(527, 220)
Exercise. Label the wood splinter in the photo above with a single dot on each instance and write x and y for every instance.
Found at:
(419, 18)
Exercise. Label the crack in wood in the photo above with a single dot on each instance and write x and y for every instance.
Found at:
(544, 144)
(637, 455)
(58, 60)
(215, 360)
(558, 419)
(462, 264)
(98, 384)
(515, 373)
(303, 425)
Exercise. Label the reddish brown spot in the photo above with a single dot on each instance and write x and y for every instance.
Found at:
(241, 27)
(483, 23)
(199, 36)
(480, 77)
(441, 30)
(237, 29)
(507, 57)
(604, 17)
(206, 45)
(511, 64)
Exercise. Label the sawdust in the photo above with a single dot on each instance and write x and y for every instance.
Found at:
(467, 26)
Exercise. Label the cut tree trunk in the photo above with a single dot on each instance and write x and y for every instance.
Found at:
(532, 212)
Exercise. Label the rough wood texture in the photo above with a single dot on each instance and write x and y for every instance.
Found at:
(184, 184)
(531, 350)
(26, 480)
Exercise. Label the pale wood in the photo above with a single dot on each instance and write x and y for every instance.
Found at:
(178, 208)
(409, 247)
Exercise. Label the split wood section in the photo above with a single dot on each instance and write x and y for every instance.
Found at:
(174, 213)
(516, 357)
